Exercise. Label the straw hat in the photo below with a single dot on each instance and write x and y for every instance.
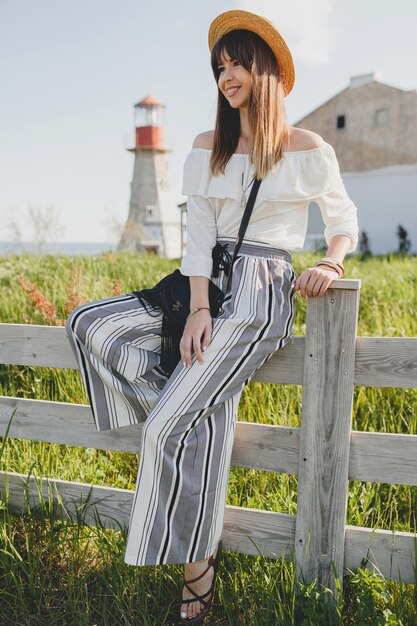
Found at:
(236, 20)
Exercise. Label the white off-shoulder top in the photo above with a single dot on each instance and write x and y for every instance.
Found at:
(280, 214)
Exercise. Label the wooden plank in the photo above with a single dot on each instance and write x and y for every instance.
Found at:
(251, 531)
(325, 436)
(48, 346)
(390, 554)
(379, 361)
(256, 446)
(346, 283)
(378, 457)
(81, 502)
(64, 422)
(266, 447)
(248, 531)
(31, 344)
(386, 362)
(383, 458)
(285, 366)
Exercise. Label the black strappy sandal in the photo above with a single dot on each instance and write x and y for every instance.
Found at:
(212, 562)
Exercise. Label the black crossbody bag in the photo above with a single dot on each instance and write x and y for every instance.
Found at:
(172, 294)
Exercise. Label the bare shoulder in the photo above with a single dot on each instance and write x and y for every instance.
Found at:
(204, 140)
(303, 139)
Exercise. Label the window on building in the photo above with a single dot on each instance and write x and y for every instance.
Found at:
(150, 211)
(341, 121)
(381, 117)
(151, 249)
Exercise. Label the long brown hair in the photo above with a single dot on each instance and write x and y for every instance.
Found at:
(267, 113)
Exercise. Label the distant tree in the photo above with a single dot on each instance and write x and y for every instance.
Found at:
(46, 226)
(114, 226)
(364, 243)
(13, 227)
(42, 226)
(404, 243)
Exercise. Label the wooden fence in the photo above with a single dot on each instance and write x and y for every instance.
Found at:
(324, 452)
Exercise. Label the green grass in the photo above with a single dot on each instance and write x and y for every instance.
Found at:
(55, 572)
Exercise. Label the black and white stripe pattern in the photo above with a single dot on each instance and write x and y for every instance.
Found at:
(189, 418)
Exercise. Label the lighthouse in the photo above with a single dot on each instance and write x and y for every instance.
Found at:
(154, 220)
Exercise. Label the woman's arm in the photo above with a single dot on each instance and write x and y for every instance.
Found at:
(341, 227)
(199, 291)
(339, 246)
(198, 327)
(197, 263)
(314, 281)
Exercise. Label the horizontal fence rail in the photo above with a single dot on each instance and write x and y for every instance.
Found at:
(379, 361)
(248, 531)
(374, 457)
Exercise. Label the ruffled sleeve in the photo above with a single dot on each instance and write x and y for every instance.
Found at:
(201, 221)
(337, 209)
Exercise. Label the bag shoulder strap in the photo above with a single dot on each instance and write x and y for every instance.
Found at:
(246, 215)
(243, 225)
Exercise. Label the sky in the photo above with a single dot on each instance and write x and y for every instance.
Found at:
(70, 73)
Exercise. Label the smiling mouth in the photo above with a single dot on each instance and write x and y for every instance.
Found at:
(232, 92)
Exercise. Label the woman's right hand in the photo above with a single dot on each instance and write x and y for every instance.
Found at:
(197, 335)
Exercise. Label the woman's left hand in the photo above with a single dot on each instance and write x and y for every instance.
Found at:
(314, 281)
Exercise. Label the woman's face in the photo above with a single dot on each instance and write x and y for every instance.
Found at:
(235, 81)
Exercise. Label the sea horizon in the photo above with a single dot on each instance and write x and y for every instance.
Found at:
(12, 248)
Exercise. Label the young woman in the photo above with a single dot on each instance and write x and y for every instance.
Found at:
(189, 417)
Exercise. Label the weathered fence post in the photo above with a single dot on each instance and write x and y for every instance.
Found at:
(325, 433)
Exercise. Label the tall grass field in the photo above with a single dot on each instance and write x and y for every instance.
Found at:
(54, 572)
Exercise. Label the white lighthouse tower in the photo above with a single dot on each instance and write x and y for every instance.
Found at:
(154, 221)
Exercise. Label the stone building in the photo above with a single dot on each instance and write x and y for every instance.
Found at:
(368, 124)
(372, 127)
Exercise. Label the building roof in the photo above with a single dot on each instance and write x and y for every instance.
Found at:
(358, 81)
(149, 101)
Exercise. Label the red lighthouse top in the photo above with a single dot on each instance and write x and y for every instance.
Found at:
(149, 101)
(149, 124)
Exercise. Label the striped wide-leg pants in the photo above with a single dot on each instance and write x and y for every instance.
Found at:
(189, 418)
